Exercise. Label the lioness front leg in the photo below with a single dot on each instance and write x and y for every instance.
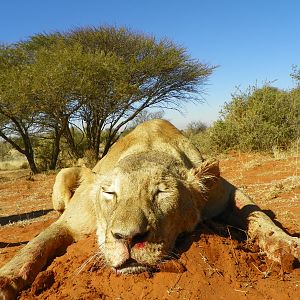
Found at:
(20, 272)
(272, 240)
(76, 221)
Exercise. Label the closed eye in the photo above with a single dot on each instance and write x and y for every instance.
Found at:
(161, 194)
(162, 188)
(162, 191)
(108, 195)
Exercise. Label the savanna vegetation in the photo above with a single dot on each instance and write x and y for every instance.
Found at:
(68, 95)
(74, 92)
(258, 119)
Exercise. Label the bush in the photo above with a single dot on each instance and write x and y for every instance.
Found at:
(203, 142)
(259, 119)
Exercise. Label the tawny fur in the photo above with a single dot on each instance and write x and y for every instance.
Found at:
(152, 186)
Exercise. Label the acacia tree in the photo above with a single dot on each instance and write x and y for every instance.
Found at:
(122, 73)
(147, 73)
(101, 78)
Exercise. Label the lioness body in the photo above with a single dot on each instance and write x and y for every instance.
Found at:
(152, 186)
(156, 136)
(146, 191)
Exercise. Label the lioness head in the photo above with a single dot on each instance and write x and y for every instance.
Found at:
(142, 206)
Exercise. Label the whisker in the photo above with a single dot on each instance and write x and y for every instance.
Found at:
(99, 263)
(86, 262)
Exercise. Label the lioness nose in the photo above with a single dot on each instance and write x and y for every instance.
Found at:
(130, 225)
(132, 238)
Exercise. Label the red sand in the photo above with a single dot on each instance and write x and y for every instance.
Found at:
(215, 262)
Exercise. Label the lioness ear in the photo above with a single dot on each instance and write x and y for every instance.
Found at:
(66, 182)
(207, 174)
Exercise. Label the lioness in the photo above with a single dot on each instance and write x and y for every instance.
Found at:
(152, 186)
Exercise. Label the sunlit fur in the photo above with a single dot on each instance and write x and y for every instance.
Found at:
(153, 182)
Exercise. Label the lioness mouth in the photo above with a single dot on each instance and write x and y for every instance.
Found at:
(131, 266)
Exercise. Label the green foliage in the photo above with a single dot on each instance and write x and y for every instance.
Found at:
(259, 119)
(204, 143)
(101, 78)
(198, 133)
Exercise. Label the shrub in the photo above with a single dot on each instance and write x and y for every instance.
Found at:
(259, 119)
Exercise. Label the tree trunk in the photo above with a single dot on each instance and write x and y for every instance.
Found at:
(54, 155)
(31, 163)
(110, 140)
(71, 143)
(27, 151)
(55, 149)
(106, 148)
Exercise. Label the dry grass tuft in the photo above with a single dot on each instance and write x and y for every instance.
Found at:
(9, 165)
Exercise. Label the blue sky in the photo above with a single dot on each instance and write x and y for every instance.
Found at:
(251, 41)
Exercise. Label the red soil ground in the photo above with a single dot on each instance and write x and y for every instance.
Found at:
(215, 262)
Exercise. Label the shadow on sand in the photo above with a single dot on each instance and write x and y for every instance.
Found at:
(26, 216)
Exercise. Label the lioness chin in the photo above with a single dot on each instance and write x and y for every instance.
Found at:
(152, 186)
